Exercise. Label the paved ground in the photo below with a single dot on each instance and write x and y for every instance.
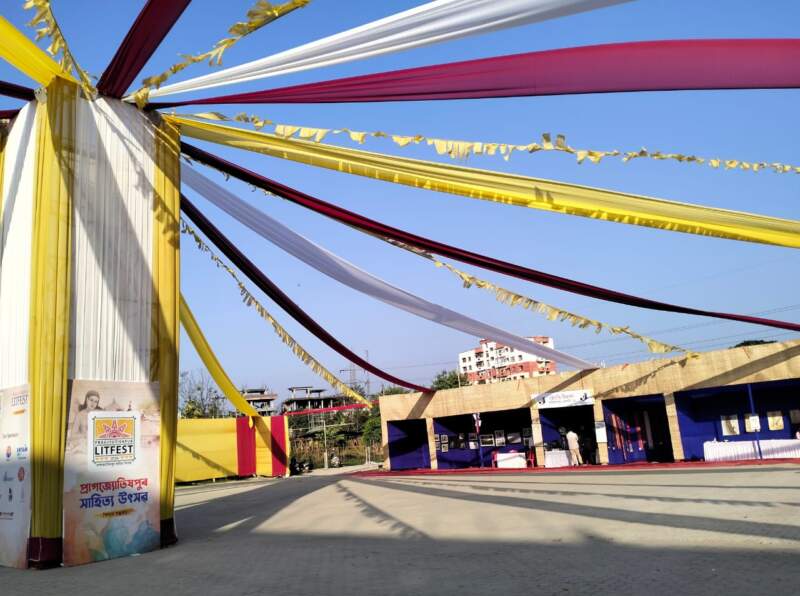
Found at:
(703, 531)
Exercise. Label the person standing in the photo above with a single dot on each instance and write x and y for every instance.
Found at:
(573, 443)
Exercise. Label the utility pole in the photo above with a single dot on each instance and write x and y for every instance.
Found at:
(366, 374)
(325, 442)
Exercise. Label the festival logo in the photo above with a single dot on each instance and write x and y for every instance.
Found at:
(22, 452)
(113, 440)
(9, 452)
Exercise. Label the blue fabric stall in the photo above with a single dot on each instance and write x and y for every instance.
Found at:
(408, 445)
(637, 430)
(700, 413)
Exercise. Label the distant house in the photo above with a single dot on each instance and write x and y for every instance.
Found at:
(262, 400)
(308, 398)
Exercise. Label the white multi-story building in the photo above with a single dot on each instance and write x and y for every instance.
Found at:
(493, 362)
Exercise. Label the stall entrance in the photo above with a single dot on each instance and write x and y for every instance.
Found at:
(556, 423)
(638, 430)
(408, 445)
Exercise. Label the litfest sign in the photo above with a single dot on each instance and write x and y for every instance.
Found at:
(114, 438)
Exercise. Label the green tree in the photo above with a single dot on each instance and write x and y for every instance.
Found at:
(199, 397)
(448, 379)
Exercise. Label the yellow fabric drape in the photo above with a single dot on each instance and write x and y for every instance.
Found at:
(3, 138)
(50, 303)
(462, 149)
(207, 449)
(287, 339)
(208, 357)
(262, 13)
(165, 318)
(25, 56)
(522, 191)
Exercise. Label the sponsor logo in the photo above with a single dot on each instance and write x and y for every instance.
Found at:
(19, 401)
(7, 477)
(9, 452)
(21, 474)
(114, 440)
(10, 495)
(22, 452)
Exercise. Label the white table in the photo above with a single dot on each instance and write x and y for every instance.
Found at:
(556, 458)
(739, 450)
(511, 460)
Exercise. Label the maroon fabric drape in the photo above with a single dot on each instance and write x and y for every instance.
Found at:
(148, 30)
(532, 275)
(245, 447)
(16, 91)
(8, 114)
(636, 66)
(266, 285)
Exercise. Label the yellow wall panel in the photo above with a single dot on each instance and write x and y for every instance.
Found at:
(263, 426)
(206, 449)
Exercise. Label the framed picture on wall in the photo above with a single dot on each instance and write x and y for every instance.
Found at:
(472, 444)
(499, 438)
(730, 424)
(445, 439)
(445, 447)
(527, 441)
(514, 438)
(794, 416)
(775, 420)
(526, 432)
(487, 440)
(473, 436)
(752, 423)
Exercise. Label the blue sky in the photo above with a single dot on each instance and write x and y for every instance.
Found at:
(690, 270)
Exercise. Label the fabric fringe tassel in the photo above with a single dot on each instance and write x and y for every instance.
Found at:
(49, 28)
(262, 13)
(464, 149)
(252, 302)
(552, 313)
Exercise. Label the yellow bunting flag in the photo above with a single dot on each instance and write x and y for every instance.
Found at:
(48, 27)
(252, 301)
(210, 361)
(259, 15)
(464, 149)
(512, 189)
(553, 313)
(25, 56)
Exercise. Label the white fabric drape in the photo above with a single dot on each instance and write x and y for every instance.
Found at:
(16, 231)
(112, 285)
(348, 274)
(423, 25)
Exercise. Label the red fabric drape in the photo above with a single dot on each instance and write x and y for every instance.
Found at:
(636, 66)
(532, 275)
(8, 114)
(245, 447)
(278, 444)
(16, 91)
(246, 266)
(148, 30)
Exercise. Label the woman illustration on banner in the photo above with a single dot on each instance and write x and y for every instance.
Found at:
(80, 426)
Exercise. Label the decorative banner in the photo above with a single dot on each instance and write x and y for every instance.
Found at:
(351, 276)
(636, 66)
(510, 189)
(563, 399)
(429, 23)
(15, 477)
(148, 31)
(259, 15)
(463, 149)
(111, 471)
(377, 228)
(266, 285)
